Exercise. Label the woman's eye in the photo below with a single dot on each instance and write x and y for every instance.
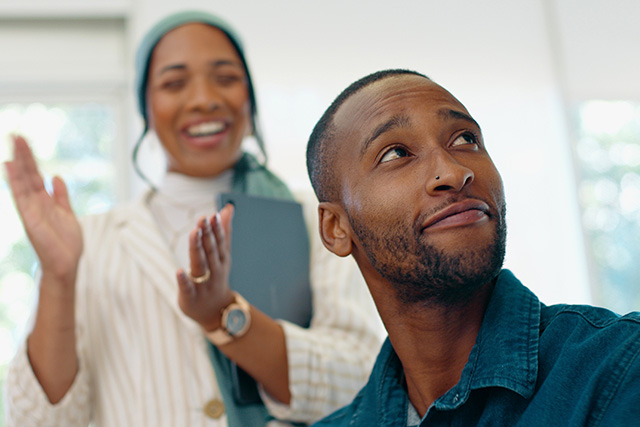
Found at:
(173, 84)
(394, 153)
(228, 79)
(465, 139)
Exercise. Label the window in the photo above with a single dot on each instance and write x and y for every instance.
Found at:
(608, 153)
(62, 86)
(76, 141)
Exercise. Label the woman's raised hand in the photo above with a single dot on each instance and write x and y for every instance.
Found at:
(204, 292)
(48, 219)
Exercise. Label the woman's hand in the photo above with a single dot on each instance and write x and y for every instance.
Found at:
(56, 236)
(200, 297)
(262, 352)
(49, 221)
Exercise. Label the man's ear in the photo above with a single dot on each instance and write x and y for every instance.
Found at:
(335, 230)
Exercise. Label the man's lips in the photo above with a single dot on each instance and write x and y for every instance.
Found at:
(458, 214)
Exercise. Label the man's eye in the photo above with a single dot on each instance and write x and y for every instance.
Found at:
(465, 139)
(394, 153)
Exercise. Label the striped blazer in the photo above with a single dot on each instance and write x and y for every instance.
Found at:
(144, 363)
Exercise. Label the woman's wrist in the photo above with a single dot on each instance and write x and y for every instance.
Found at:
(53, 286)
(215, 321)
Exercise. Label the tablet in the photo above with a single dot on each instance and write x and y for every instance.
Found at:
(270, 256)
(269, 267)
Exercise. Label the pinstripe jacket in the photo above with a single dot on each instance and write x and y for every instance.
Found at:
(144, 363)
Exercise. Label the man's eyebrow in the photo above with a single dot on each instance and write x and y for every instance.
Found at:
(397, 121)
(455, 114)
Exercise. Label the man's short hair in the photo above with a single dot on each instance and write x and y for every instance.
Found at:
(321, 148)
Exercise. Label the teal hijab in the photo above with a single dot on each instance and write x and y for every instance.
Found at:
(143, 59)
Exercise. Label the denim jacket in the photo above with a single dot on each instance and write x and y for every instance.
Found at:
(531, 365)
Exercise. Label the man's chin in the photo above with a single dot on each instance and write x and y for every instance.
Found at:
(447, 278)
(458, 241)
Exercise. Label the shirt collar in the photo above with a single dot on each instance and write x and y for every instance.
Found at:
(506, 350)
(505, 354)
(387, 378)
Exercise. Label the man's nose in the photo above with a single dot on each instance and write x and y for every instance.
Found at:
(447, 174)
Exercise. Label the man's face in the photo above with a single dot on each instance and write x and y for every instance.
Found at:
(424, 200)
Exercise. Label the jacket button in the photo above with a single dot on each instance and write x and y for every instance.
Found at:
(214, 408)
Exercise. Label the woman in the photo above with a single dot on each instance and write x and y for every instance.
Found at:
(111, 343)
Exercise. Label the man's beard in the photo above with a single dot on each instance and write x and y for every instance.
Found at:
(422, 273)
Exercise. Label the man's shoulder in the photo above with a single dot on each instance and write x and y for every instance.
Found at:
(593, 355)
(587, 328)
(597, 319)
(599, 339)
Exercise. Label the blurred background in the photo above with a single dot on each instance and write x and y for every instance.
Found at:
(555, 85)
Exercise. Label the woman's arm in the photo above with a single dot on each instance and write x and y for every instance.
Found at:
(55, 234)
(261, 352)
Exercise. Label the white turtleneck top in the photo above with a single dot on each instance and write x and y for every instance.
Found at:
(178, 203)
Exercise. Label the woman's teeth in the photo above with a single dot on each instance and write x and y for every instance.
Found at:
(205, 129)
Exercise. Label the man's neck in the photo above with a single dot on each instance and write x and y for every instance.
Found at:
(433, 343)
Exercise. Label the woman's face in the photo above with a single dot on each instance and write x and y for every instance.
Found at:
(198, 100)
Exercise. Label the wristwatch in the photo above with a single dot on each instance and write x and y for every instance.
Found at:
(236, 320)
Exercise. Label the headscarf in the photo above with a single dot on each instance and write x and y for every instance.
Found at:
(143, 58)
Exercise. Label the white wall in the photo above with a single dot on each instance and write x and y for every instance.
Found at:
(494, 56)
(516, 65)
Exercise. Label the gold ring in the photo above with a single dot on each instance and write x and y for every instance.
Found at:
(200, 279)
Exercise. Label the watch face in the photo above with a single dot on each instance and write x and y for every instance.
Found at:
(236, 320)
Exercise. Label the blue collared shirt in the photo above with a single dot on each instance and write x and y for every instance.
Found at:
(532, 365)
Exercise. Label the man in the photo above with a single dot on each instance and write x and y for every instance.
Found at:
(407, 187)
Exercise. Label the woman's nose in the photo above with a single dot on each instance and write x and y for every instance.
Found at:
(204, 96)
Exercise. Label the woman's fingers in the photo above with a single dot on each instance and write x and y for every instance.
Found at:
(209, 248)
(25, 181)
(216, 240)
(17, 177)
(225, 218)
(205, 290)
(29, 194)
(214, 244)
(199, 267)
(26, 166)
(185, 285)
(60, 193)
